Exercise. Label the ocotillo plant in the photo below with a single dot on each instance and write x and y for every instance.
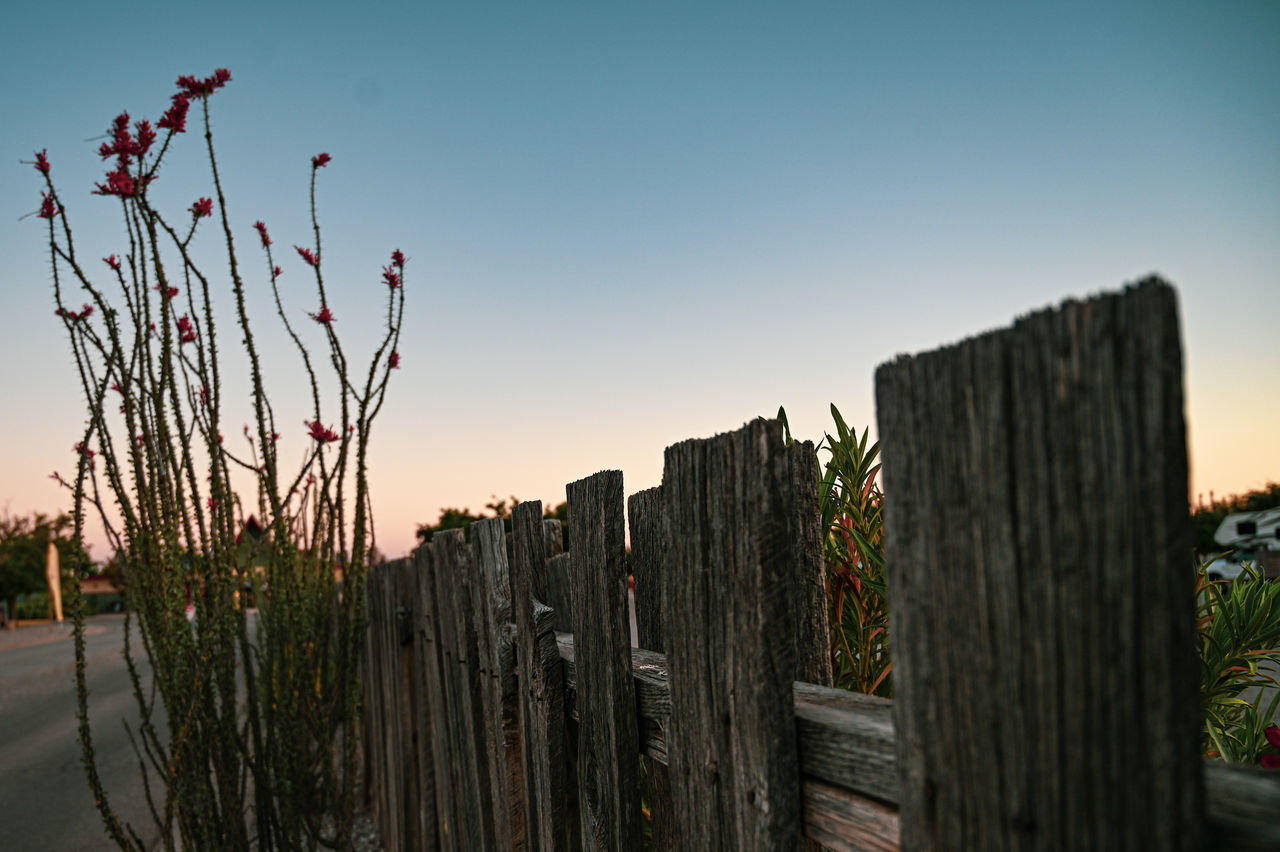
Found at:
(257, 743)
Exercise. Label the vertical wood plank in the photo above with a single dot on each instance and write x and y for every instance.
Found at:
(556, 578)
(436, 780)
(649, 532)
(541, 684)
(464, 714)
(491, 611)
(608, 750)
(730, 631)
(408, 718)
(813, 637)
(1038, 551)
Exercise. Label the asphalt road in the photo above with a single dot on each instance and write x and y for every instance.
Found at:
(45, 801)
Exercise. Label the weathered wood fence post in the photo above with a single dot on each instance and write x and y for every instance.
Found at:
(608, 739)
(735, 566)
(541, 683)
(1039, 566)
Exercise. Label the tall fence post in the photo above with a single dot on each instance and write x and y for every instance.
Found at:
(1039, 566)
(541, 684)
(495, 635)
(608, 754)
(649, 532)
(734, 584)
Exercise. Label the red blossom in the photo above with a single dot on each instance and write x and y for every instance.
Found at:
(391, 277)
(87, 452)
(397, 257)
(204, 394)
(86, 310)
(113, 262)
(1271, 761)
(202, 207)
(121, 183)
(262, 232)
(146, 135)
(175, 118)
(194, 88)
(324, 317)
(186, 332)
(276, 272)
(319, 433)
(168, 292)
(308, 255)
(319, 161)
(141, 439)
(42, 161)
(48, 208)
(213, 503)
(115, 386)
(394, 361)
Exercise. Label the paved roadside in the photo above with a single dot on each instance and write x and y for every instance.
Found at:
(39, 634)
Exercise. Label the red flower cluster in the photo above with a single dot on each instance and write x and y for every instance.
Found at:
(175, 117)
(394, 361)
(42, 161)
(308, 255)
(119, 183)
(113, 262)
(321, 434)
(168, 292)
(319, 161)
(194, 88)
(87, 452)
(124, 146)
(186, 332)
(86, 310)
(48, 208)
(324, 317)
(397, 257)
(204, 394)
(1271, 761)
(262, 232)
(202, 207)
(391, 277)
(115, 386)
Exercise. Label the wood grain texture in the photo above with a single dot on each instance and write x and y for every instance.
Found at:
(813, 637)
(1243, 804)
(844, 823)
(541, 679)
(1038, 548)
(556, 579)
(608, 760)
(436, 783)
(848, 748)
(649, 532)
(733, 592)
(491, 613)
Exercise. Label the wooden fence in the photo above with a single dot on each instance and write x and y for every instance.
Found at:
(1038, 545)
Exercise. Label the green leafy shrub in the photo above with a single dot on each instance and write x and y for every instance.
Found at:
(1239, 631)
(853, 550)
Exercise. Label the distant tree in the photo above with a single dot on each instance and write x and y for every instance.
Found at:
(1207, 517)
(24, 547)
(461, 519)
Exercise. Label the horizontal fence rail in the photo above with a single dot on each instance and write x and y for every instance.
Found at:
(848, 759)
(1038, 562)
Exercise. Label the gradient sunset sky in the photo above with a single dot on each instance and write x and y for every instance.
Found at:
(632, 223)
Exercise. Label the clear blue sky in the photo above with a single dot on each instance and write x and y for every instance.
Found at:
(629, 224)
